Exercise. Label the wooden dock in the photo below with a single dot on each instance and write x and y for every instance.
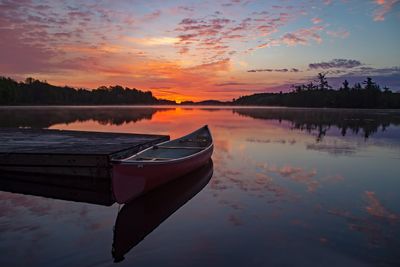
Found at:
(68, 165)
(68, 153)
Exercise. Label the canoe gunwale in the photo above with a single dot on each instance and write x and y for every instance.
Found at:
(167, 161)
(149, 162)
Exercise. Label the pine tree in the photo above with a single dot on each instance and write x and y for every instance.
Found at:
(322, 82)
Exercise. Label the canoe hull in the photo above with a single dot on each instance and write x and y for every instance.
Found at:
(140, 217)
(132, 180)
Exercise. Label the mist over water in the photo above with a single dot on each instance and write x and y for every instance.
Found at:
(312, 187)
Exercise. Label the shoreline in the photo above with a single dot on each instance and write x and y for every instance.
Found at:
(195, 106)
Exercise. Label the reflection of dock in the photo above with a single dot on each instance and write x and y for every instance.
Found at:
(69, 188)
(68, 153)
(140, 217)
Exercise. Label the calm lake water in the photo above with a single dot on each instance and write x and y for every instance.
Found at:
(310, 187)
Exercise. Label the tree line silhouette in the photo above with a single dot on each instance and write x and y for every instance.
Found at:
(317, 93)
(320, 94)
(35, 92)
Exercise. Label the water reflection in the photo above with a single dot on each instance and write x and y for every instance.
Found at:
(304, 183)
(318, 121)
(133, 223)
(365, 122)
(58, 187)
(378, 225)
(140, 217)
(44, 117)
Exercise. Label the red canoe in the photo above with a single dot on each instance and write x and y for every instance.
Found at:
(160, 164)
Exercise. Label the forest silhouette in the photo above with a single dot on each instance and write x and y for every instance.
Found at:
(35, 92)
(318, 93)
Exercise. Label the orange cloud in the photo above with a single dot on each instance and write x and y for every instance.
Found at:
(164, 40)
(166, 79)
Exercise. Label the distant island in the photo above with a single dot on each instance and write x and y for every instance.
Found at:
(319, 93)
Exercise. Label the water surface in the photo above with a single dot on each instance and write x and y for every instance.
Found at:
(313, 187)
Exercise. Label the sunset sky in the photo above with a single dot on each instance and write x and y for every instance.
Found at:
(196, 50)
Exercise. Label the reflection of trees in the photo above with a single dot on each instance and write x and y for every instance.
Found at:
(320, 120)
(47, 116)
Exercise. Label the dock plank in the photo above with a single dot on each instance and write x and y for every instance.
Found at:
(70, 142)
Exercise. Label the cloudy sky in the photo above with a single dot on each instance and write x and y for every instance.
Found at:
(198, 50)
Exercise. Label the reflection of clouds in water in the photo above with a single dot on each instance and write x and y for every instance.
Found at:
(375, 208)
(234, 170)
(332, 178)
(267, 141)
(255, 184)
(295, 174)
(333, 148)
(380, 226)
(351, 145)
(300, 223)
(255, 178)
(26, 209)
(11, 205)
(235, 220)
(256, 140)
(256, 181)
(28, 224)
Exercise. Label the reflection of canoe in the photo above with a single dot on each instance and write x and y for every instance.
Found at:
(160, 164)
(141, 216)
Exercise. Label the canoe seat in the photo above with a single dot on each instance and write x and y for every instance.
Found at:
(165, 153)
(197, 140)
(150, 158)
(181, 147)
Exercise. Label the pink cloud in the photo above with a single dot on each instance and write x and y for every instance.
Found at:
(275, 70)
(339, 33)
(316, 20)
(20, 56)
(154, 15)
(385, 7)
(336, 63)
(302, 36)
(218, 35)
(41, 38)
